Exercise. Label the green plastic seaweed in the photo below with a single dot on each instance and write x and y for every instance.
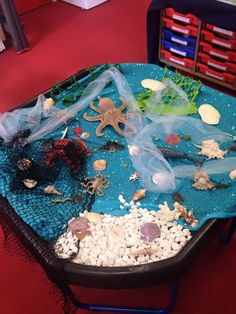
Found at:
(170, 98)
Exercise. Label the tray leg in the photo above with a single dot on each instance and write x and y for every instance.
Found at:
(226, 236)
(69, 295)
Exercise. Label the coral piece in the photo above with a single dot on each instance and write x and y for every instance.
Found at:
(100, 164)
(139, 194)
(209, 114)
(202, 181)
(211, 149)
(150, 231)
(169, 214)
(73, 152)
(188, 216)
(48, 104)
(173, 139)
(95, 184)
(109, 114)
(77, 131)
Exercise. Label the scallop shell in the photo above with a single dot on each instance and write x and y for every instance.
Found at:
(24, 164)
(48, 104)
(100, 164)
(232, 174)
(30, 183)
(139, 194)
(50, 189)
(133, 150)
(153, 85)
(209, 114)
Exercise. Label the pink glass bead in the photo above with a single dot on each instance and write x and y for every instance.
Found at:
(150, 231)
(79, 224)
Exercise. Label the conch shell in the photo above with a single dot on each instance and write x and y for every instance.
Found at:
(100, 164)
(50, 189)
(139, 194)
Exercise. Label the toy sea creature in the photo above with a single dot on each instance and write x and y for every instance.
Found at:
(177, 197)
(50, 189)
(188, 216)
(139, 194)
(209, 114)
(186, 137)
(211, 149)
(112, 147)
(173, 139)
(30, 183)
(232, 148)
(178, 154)
(135, 176)
(150, 231)
(95, 184)
(202, 181)
(100, 164)
(109, 114)
(153, 85)
(232, 174)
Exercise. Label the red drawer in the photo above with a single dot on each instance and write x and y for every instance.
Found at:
(221, 31)
(185, 18)
(186, 30)
(224, 77)
(223, 66)
(225, 43)
(224, 55)
(185, 62)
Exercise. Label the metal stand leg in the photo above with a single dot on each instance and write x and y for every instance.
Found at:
(68, 294)
(226, 236)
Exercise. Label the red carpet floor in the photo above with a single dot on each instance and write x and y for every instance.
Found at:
(64, 39)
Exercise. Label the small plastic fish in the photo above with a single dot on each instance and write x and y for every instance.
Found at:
(232, 148)
(177, 197)
(112, 147)
(178, 154)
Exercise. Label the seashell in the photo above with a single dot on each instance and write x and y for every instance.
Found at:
(48, 104)
(30, 183)
(93, 217)
(209, 114)
(135, 176)
(202, 181)
(100, 164)
(24, 164)
(150, 231)
(153, 85)
(211, 149)
(50, 189)
(133, 150)
(115, 234)
(139, 194)
(232, 174)
(84, 135)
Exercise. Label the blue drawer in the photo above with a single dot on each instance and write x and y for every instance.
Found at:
(185, 41)
(187, 52)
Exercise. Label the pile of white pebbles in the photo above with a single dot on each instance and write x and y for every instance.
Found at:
(117, 241)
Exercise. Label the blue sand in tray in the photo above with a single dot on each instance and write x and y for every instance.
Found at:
(49, 220)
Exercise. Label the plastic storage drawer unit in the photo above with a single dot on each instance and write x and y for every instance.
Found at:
(225, 43)
(224, 55)
(185, 18)
(187, 63)
(185, 41)
(223, 66)
(225, 77)
(185, 30)
(179, 50)
(221, 31)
